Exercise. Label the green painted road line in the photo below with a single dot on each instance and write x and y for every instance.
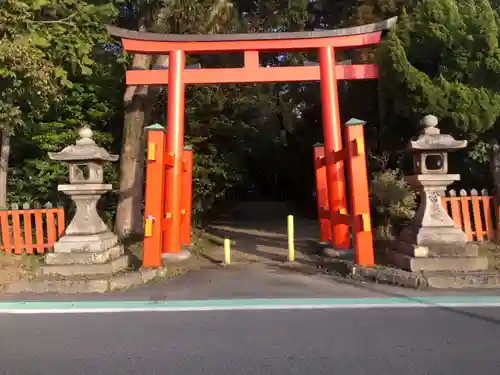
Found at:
(27, 307)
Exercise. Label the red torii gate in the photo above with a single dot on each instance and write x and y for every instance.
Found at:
(327, 72)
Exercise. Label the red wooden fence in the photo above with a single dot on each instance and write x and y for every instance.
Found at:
(35, 230)
(30, 230)
(475, 213)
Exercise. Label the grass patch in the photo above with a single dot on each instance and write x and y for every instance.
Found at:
(203, 253)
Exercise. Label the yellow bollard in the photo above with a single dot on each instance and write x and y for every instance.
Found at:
(291, 244)
(227, 251)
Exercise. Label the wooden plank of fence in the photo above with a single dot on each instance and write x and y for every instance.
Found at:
(495, 228)
(476, 214)
(456, 214)
(39, 240)
(51, 224)
(464, 205)
(4, 223)
(26, 214)
(60, 221)
(39, 231)
(488, 219)
(16, 229)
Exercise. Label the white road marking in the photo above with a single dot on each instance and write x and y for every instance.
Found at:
(153, 307)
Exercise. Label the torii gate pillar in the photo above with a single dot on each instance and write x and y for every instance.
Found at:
(175, 147)
(332, 135)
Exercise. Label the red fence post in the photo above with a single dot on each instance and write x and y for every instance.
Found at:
(332, 134)
(359, 194)
(175, 149)
(325, 227)
(465, 210)
(187, 195)
(5, 231)
(154, 196)
(488, 218)
(495, 217)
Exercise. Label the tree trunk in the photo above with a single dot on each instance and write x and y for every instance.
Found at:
(4, 166)
(139, 102)
(128, 211)
(128, 214)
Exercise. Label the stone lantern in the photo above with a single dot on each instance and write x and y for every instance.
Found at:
(432, 241)
(88, 257)
(87, 232)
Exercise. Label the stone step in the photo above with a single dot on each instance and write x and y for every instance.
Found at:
(109, 268)
(462, 280)
(440, 250)
(424, 280)
(438, 263)
(84, 257)
(81, 285)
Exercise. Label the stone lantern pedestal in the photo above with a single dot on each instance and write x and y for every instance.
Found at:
(432, 241)
(87, 232)
(87, 240)
(88, 258)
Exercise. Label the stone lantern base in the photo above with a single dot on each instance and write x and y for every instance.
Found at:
(440, 263)
(97, 268)
(80, 272)
(84, 284)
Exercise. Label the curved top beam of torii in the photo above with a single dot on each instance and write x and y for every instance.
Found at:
(155, 43)
(251, 44)
(183, 38)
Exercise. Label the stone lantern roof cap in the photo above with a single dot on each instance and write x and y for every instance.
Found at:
(431, 139)
(85, 149)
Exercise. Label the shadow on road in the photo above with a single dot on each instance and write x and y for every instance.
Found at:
(268, 240)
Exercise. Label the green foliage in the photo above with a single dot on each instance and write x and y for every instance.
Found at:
(56, 76)
(392, 202)
(443, 58)
(27, 81)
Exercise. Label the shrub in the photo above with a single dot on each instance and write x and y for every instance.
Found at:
(393, 203)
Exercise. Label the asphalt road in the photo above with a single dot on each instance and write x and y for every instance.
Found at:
(380, 341)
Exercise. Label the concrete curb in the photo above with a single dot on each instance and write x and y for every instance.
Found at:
(82, 285)
(386, 275)
(426, 280)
